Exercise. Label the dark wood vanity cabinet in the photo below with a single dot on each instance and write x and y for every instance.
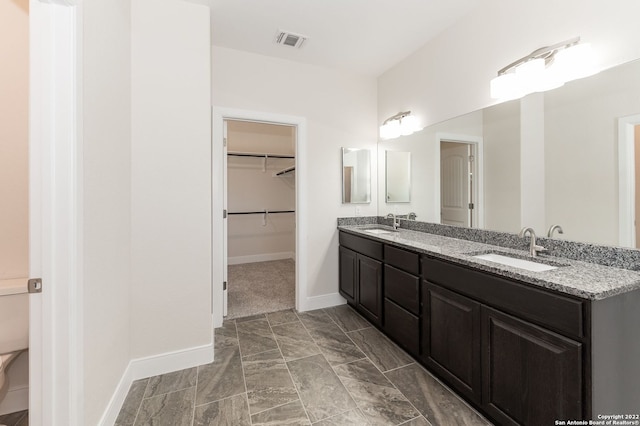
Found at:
(519, 353)
(451, 339)
(402, 298)
(361, 275)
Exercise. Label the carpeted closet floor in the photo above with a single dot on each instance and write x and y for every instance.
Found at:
(258, 288)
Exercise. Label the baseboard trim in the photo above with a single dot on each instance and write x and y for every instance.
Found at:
(17, 399)
(141, 368)
(323, 301)
(238, 260)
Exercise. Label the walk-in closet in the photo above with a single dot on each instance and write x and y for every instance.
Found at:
(261, 217)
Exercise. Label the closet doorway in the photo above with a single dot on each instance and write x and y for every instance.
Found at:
(260, 225)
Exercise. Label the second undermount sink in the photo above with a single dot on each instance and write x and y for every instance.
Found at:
(516, 262)
(378, 231)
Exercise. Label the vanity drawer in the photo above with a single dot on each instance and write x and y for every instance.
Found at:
(402, 259)
(402, 288)
(402, 326)
(553, 310)
(361, 245)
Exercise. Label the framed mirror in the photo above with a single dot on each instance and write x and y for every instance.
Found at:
(397, 177)
(356, 176)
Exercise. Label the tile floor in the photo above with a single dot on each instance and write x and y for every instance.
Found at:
(21, 418)
(325, 367)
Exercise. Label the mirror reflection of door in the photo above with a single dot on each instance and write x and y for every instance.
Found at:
(348, 183)
(456, 184)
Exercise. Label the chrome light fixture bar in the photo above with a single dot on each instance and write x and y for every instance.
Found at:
(544, 69)
(403, 123)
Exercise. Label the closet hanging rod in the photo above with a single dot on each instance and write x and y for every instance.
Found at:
(263, 212)
(258, 155)
(285, 171)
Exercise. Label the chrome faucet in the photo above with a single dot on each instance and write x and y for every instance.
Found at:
(554, 228)
(533, 248)
(412, 216)
(396, 221)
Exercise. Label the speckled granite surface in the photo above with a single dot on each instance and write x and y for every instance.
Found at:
(583, 279)
(617, 257)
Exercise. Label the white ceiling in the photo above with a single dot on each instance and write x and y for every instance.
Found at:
(361, 36)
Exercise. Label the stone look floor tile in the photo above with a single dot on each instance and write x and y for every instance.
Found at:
(19, 418)
(288, 414)
(255, 337)
(382, 352)
(346, 318)
(321, 392)
(250, 318)
(131, 403)
(225, 336)
(437, 403)
(294, 341)
(348, 418)
(171, 382)
(377, 398)
(170, 409)
(232, 411)
(418, 421)
(222, 378)
(282, 317)
(315, 319)
(335, 345)
(268, 381)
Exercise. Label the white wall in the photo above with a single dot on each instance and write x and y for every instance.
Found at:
(340, 110)
(252, 188)
(450, 75)
(14, 169)
(107, 200)
(171, 177)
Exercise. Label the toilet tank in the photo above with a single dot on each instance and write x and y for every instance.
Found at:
(14, 315)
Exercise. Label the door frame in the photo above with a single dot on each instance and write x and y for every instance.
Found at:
(55, 213)
(218, 160)
(626, 180)
(477, 170)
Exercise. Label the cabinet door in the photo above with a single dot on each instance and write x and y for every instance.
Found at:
(348, 274)
(451, 339)
(531, 376)
(369, 298)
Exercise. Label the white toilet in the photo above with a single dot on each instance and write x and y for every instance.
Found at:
(14, 325)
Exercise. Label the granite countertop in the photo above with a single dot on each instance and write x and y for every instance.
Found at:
(582, 279)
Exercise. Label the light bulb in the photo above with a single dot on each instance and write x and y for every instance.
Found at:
(575, 62)
(529, 74)
(408, 125)
(505, 87)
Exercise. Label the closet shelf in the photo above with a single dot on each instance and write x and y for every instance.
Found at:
(258, 154)
(285, 171)
(262, 212)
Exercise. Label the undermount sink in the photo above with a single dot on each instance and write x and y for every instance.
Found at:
(515, 262)
(378, 231)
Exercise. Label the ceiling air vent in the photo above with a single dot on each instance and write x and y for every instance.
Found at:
(287, 38)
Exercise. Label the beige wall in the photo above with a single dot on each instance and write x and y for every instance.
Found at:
(14, 182)
(170, 177)
(340, 110)
(502, 166)
(14, 121)
(249, 188)
(580, 122)
(107, 200)
(637, 170)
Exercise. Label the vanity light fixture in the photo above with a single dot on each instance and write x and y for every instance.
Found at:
(544, 69)
(403, 123)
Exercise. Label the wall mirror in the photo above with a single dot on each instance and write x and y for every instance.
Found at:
(585, 179)
(356, 176)
(397, 176)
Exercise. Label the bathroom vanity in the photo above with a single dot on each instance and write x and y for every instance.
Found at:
(523, 347)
